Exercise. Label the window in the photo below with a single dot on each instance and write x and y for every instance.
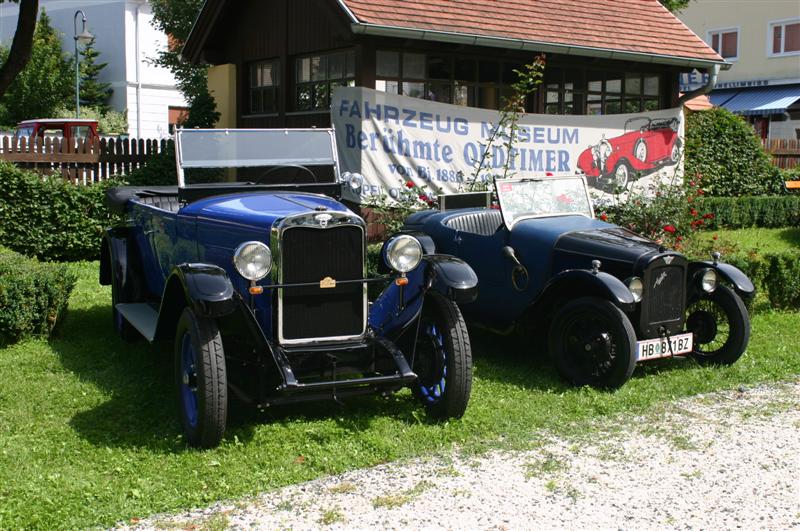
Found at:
(785, 37)
(595, 92)
(464, 81)
(318, 75)
(725, 42)
(264, 82)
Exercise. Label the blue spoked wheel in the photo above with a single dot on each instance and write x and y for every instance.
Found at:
(443, 360)
(200, 379)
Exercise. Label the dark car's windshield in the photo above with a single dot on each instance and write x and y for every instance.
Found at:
(551, 196)
(258, 156)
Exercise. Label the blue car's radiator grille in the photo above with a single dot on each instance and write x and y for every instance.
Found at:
(666, 294)
(311, 255)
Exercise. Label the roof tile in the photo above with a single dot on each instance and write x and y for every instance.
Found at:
(642, 26)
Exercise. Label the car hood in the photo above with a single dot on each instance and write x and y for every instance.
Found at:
(261, 209)
(611, 244)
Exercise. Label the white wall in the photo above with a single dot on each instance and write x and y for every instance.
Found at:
(114, 24)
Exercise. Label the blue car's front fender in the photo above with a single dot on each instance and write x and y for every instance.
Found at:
(397, 306)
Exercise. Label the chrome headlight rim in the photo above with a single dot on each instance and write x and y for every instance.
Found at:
(252, 270)
(636, 287)
(403, 253)
(709, 280)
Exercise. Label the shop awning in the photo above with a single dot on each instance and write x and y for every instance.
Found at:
(758, 101)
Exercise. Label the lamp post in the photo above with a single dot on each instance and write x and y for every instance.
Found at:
(83, 37)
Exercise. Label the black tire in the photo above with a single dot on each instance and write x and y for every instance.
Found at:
(593, 343)
(721, 326)
(202, 388)
(443, 359)
(123, 294)
(619, 178)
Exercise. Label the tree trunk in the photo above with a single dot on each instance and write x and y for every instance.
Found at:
(21, 46)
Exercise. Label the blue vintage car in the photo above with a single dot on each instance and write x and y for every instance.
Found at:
(605, 297)
(257, 273)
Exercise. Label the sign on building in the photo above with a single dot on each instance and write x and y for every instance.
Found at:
(391, 139)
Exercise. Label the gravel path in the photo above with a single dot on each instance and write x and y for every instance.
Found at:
(718, 461)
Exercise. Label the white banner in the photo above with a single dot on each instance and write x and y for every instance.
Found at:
(392, 139)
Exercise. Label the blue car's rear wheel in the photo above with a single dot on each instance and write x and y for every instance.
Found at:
(200, 379)
(443, 359)
(593, 343)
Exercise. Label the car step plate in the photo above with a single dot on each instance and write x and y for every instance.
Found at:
(651, 349)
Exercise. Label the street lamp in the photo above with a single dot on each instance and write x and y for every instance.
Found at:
(83, 37)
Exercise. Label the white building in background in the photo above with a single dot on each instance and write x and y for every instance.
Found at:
(128, 42)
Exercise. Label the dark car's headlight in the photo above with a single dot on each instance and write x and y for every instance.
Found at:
(636, 287)
(403, 253)
(708, 281)
(253, 260)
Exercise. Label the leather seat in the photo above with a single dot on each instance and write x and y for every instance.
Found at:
(163, 197)
(482, 222)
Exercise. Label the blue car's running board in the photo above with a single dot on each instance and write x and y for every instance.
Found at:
(142, 316)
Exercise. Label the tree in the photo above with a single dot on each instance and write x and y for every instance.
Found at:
(46, 82)
(21, 46)
(675, 5)
(175, 18)
(94, 93)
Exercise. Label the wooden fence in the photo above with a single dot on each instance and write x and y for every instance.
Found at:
(785, 152)
(81, 161)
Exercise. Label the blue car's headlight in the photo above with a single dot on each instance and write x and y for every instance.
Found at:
(253, 260)
(403, 253)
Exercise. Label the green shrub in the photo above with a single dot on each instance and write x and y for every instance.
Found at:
(33, 296)
(724, 149)
(159, 171)
(743, 212)
(51, 218)
(776, 275)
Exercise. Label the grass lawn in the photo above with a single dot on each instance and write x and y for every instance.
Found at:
(763, 240)
(88, 433)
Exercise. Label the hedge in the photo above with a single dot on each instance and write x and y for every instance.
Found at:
(743, 212)
(51, 218)
(33, 296)
(775, 275)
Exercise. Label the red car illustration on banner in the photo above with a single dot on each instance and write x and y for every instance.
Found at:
(646, 146)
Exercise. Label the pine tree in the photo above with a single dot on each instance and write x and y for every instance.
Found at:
(94, 93)
(46, 82)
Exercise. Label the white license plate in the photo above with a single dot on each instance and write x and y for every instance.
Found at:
(651, 349)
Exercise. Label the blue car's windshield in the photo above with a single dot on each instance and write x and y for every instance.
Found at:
(266, 156)
(551, 196)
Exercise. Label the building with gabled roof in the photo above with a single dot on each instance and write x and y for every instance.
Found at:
(279, 61)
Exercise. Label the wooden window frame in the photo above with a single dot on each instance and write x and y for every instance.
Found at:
(348, 78)
(273, 89)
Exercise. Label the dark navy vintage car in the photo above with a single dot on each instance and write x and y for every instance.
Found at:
(606, 297)
(257, 274)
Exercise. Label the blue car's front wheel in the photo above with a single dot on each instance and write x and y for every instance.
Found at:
(200, 379)
(443, 359)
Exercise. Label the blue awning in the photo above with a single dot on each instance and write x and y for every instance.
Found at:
(757, 101)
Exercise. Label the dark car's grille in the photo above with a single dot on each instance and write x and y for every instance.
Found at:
(665, 294)
(310, 255)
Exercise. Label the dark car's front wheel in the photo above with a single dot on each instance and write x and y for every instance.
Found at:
(443, 359)
(200, 379)
(721, 327)
(593, 343)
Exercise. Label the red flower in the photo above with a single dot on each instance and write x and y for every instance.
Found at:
(409, 184)
(715, 237)
(691, 183)
(670, 228)
(689, 199)
(431, 203)
(549, 174)
(604, 216)
(679, 238)
(700, 192)
(423, 197)
(708, 216)
(694, 212)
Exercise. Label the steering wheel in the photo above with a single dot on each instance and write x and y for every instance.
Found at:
(299, 169)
